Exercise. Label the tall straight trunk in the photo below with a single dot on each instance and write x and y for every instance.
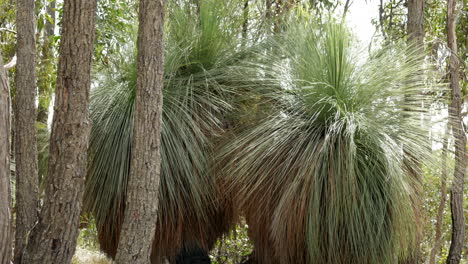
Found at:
(443, 199)
(456, 191)
(415, 31)
(5, 193)
(139, 224)
(415, 24)
(45, 80)
(53, 238)
(25, 125)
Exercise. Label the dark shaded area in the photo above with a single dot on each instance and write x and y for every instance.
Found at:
(194, 255)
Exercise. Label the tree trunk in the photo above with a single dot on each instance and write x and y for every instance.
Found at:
(415, 26)
(53, 239)
(5, 192)
(139, 225)
(415, 31)
(443, 199)
(456, 192)
(25, 125)
(46, 80)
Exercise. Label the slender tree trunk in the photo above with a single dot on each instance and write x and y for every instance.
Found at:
(25, 125)
(53, 238)
(456, 192)
(46, 80)
(415, 30)
(443, 199)
(139, 225)
(5, 192)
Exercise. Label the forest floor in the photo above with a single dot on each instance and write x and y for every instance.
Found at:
(86, 256)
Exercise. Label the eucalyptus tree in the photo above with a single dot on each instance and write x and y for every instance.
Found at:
(204, 70)
(27, 196)
(415, 28)
(459, 134)
(139, 225)
(323, 178)
(53, 237)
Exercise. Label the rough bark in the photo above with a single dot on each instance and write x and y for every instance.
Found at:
(456, 191)
(25, 125)
(45, 80)
(443, 199)
(139, 225)
(53, 238)
(415, 26)
(5, 192)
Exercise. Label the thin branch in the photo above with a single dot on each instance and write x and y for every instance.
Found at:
(8, 30)
(381, 19)
(346, 8)
(10, 64)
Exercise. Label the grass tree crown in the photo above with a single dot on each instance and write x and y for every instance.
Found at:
(324, 179)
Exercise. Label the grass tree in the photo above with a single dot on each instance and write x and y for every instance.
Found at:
(322, 179)
(201, 72)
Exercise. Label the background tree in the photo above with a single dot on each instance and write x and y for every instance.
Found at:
(46, 74)
(415, 30)
(440, 210)
(25, 125)
(5, 191)
(53, 238)
(139, 223)
(459, 134)
(415, 22)
(392, 20)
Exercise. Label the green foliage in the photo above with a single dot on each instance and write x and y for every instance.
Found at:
(87, 237)
(233, 247)
(202, 69)
(393, 27)
(326, 172)
(7, 21)
(431, 198)
(114, 22)
(43, 136)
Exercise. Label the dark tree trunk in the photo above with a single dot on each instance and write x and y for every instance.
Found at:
(139, 225)
(5, 192)
(456, 120)
(25, 125)
(53, 239)
(46, 80)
